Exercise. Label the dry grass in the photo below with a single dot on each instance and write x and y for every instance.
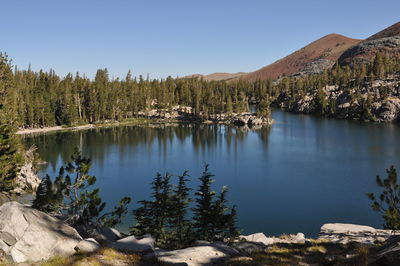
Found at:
(315, 252)
(364, 255)
(105, 256)
(319, 249)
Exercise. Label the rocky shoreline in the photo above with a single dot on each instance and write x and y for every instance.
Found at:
(176, 114)
(377, 101)
(27, 234)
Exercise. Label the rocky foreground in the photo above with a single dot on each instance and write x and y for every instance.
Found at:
(34, 238)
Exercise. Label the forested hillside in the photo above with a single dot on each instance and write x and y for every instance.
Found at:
(368, 92)
(40, 99)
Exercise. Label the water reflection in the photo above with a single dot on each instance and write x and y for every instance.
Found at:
(300, 173)
(97, 143)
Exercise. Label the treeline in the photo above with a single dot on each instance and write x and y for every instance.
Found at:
(39, 99)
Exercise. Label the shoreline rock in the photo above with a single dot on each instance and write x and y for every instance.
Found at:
(27, 180)
(346, 233)
(343, 103)
(27, 234)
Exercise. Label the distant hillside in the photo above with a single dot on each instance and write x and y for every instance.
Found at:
(386, 41)
(218, 76)
(313, 58)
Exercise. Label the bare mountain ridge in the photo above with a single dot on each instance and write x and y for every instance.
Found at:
(322, 54)
(388, 32)
(386, 41)
(314, 58)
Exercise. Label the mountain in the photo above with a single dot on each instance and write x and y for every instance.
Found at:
(391, 31)
(386, 41)
(218, 76)
(313, 58)
(322, 54)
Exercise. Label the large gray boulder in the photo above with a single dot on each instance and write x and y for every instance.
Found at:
(389, 110)
(27, 234)
(261, 238)
(5, 197)
(133, 244)
(87, 245)
(211, 254)
(345, 233)
(248, 248)
(258, 238)
(111, 234)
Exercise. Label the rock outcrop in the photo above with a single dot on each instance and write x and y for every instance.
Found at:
(133, 244)
(248, 119)
(107, 235)
(384, 97)
(6, 197)
(210, 254)
(27, 234)
(345, 233)
(88, 245)
(185, 113)
(261, 238)
(27, 180)
(386, 41)
(365, 51)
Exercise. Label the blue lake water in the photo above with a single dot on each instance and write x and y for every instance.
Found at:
(293, 177)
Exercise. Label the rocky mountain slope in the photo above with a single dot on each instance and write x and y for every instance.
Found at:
(386, 41)
(313, 58)
(322, 54)
(391, 31)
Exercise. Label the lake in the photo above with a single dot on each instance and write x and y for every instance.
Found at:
(295, 176)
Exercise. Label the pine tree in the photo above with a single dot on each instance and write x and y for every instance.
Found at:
(10, 156)
(203, 212)
(180, 225)
(320, 102)
(152, 217)
(43, 192)
(233, 231)
(229, 106)
(71, 199)
(379, 66)
(263, 108)
(220, 216)
(388, 202)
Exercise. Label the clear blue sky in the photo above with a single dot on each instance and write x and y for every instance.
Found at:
(169, 37)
